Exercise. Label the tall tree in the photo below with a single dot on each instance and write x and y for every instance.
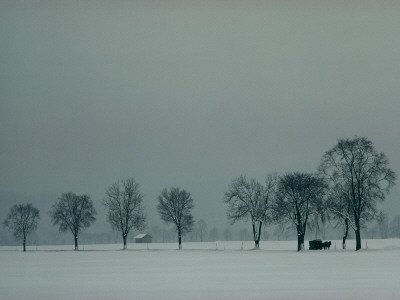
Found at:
(125, 210)
(73, 212)
(249, 199)
(174, 206)
(22, 220)
(361, 175)
(338, 209)
(300, 195)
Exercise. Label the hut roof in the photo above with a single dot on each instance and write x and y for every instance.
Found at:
(142, 235)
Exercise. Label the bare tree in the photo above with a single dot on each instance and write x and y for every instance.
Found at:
(338, 210)
(362, 177)
(174, 206)
(125, 210)
(248, 199)
(202, 229)
(300, 195)
(73, 212)
(22, 220)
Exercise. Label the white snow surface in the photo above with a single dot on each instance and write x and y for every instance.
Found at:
(218, 270)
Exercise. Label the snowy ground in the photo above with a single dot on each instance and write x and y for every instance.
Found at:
(201, 272)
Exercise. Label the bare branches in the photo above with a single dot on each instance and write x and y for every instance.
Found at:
(124, 204)
(22, 220)
(174, 206)
(358, 177)
(73, 212)
(300, 195)
(250, 199)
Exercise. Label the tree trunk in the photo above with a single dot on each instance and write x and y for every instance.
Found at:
(346, 232)
(254, 235)
(24, 244)
(76, 242)
(180, 238)
(124, 237)
(300, 241)
(358, 238)
(257, 236)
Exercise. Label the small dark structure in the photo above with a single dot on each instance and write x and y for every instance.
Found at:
(315, 245)
(143, 238)
(319, 245)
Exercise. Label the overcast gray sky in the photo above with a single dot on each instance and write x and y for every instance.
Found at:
(190, 93)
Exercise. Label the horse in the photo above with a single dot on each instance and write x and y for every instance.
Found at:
(326, 245)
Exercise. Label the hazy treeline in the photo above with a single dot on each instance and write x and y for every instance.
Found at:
(161, 234)
(342, 194)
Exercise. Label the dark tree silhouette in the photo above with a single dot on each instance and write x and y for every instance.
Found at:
(73, 212)
(249, 199)
(22, 220)
(338, 209)
(174, 206)
(360, 176)
(300, 195)
(125, 210)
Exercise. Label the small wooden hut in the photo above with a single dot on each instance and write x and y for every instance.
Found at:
(143, 238)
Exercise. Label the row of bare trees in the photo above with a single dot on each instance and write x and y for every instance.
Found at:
(125, 211)
(358, 178)
(293, 198)
(71, 213)
(351, 179)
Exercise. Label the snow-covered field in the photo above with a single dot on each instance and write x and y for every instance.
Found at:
(202, 271)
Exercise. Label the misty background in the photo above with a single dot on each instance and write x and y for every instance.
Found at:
(189, 94)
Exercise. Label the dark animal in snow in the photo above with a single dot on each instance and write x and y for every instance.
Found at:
(326, 245)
